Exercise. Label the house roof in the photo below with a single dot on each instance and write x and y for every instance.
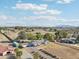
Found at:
(3, 48)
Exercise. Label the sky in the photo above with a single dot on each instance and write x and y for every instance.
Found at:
(39, 12)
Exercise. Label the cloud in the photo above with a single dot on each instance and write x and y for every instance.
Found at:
(5, 17)
(30, 6)
(50, 20)
(65, 1)
(60, 1)
(49, 12)
(39, 18)
(41, 9)
(71, 20)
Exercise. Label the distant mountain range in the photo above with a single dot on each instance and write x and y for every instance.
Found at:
(64, 26)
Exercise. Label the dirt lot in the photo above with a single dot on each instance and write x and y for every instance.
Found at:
(3, 38)
(61, 51)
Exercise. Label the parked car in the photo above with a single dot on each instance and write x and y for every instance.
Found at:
(66, 40)
(30, 45)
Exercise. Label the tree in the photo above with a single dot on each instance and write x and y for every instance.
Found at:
(63, 34)
(39, 36)
(57, 35)
(18, 53)
(50, 29)
(32, 29)
(21, 35)
(49, 37)
(60, 34)
(36, 55)
(34, 38)
(77, 39)
(30, 36)
(17, 49)
(55, 30)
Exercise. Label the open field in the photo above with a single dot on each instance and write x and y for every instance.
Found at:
(3, 38)
(60, 51)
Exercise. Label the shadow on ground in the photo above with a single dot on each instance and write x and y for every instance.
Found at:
(11, 56)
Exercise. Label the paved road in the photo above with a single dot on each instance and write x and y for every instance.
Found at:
(62, 52)
(3, 57)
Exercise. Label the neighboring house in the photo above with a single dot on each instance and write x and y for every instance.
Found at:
(11, 50)
(5, 50)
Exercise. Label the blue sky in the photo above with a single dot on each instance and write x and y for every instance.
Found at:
(39, 12)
